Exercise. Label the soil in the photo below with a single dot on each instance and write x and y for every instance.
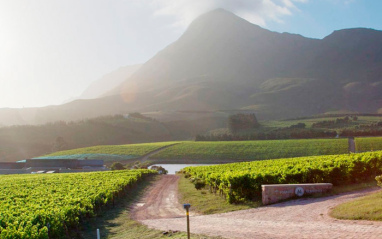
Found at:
(301, 218)
(159, 201)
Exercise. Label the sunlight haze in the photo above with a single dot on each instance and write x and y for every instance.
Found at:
(51, 51)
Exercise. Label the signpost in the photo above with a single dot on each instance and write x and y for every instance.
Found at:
(187, 207)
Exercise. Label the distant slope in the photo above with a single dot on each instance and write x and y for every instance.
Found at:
(108, 82)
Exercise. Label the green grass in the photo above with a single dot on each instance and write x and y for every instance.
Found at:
(364, 208)
(368, 144)
(204, 202)
(109, 152)
(116, 222)
(231, 151)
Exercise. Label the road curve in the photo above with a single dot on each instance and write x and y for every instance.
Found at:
(301, 218)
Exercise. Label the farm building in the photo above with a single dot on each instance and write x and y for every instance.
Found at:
(12, 168)
(52, 165)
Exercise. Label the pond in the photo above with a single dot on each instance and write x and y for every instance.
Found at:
(172, 168)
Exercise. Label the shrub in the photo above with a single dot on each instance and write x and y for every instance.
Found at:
(117, 166)
(379, 180)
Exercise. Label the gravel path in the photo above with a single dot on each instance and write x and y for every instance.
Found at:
(302, 218)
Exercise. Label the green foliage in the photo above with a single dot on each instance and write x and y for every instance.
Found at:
(368, 144)
(30, 204)
(379, 180)
(199, 183)
(138, 165)
(298, 126)
(239, 122)
(253, 150)
(332, 123)
(242, 181)
(204, 202)
(160, 169)
(117, 166)
(359, 120)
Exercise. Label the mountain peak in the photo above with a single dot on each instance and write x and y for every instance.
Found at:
(218, 14)
(220, 22)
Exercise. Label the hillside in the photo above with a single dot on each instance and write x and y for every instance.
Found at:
(180, 152)
(27, 141)
(21, 142)
(223, 62)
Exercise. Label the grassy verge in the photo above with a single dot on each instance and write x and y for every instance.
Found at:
(204, 202)
(364, 208)
(115, 222)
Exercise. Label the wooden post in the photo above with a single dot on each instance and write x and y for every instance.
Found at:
(187, 207)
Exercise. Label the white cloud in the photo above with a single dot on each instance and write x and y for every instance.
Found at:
(256, 11)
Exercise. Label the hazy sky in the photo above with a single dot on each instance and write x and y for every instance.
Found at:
(51, 50)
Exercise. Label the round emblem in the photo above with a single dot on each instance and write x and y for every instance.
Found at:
(299, 191)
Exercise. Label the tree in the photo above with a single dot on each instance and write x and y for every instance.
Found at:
(298, 126)
(117, 166)
(60, 144)
(239, 122)
(160, 169)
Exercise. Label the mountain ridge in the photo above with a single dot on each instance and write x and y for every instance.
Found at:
(222, 62)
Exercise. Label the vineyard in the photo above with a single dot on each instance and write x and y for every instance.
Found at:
(253, 150)
(368, 144)
(109, 152)
(242, 181)
(220, 151)
(50, 206)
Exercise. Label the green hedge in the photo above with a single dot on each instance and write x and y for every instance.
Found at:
(242, 181)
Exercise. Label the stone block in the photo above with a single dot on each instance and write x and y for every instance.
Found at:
(272, 193)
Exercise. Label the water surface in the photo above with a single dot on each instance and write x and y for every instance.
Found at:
(172, 168)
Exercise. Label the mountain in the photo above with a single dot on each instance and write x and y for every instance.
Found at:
(223, 62)
(108, 82)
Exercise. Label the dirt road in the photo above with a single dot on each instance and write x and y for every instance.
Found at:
(302, 218)
(160, 201)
